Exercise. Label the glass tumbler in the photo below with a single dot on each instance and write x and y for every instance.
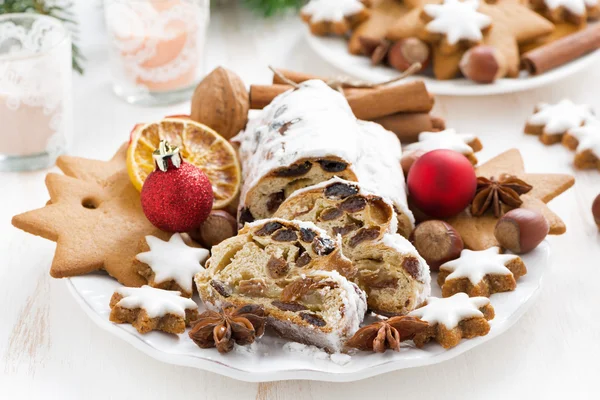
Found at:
(156, 48)
(35, 91)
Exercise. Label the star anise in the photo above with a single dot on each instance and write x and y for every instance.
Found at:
(386, 334)
(376, 49)
(492, 193)
(232, 325)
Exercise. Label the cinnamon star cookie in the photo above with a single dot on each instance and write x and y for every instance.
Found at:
(478, 232)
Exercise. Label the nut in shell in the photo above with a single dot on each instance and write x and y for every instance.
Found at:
(521, 230)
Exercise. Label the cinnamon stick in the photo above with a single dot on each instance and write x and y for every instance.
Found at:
(561, 51)
(407, 126)
(388, 100)
(262, 95)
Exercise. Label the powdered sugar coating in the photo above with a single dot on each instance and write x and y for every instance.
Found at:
(475, 265)
(449, 311)
(577, 7)
(447, 139)
(332, 10)
(458, 20)
(156, 302)
(173, 260)
(560, 117)
(588, 137)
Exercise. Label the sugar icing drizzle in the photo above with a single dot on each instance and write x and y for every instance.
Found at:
(156, 302)
(588, 137)
(449, 311)
(173, 260)
(457, 20)
(562, 116)
(447, 139)
(475, 265)
(332, 10)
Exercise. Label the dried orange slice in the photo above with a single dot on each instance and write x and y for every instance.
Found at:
(198, 144)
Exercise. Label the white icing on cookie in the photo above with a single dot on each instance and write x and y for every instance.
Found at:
(458, 20)
(156, 302)
(332, 10)
(475, 265)
(450, 311)
(560, 117)
(588, 137)
(173, 260)
(577, 7)
(447, 139)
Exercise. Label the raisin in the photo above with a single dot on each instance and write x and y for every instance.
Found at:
(285, 235)
(269, 228)
(246, 216)
(364, 234)
(412, 266)
(277, 267)
(332, 166)
(252, 287)
(293, 170)
(353, 204)
(346, 229)
(275, 200)
(288, 306)
(307, 235)
(284, 127)
(221, 287)
(313, 319)
(323, 246)
(329, 214)
(340, 190)
(303, 260)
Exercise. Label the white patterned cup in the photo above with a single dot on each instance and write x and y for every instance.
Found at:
(156, 48)
(35, 91)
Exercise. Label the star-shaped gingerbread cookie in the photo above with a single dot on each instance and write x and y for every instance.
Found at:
(97, 221)
(478, 232)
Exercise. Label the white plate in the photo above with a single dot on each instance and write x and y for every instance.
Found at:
(93, 293)
(334, 50)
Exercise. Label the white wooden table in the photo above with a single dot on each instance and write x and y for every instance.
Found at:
(50, 349)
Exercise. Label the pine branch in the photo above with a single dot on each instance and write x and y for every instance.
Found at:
(272, 7)
(61, 11)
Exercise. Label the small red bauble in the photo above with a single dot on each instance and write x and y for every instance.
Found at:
(177, 196)
(442, 183)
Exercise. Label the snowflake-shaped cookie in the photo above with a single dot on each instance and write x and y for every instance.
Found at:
(172, 263)
(575, 11)
(457, 20)
(453, 318)
(552, 121)
(585, 140)
(448, 139)
(148, 308)
(333, 16)
(481, 273)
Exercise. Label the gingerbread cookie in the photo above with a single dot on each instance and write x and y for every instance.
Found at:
(97, 221)
(149, 309)
(478, 232)
(481, 273)
(551, 121)
(585, 140)
(462, 143)
(573, 11)
(171, 265)
(333, 17)
(384, 14)
(453, 318)
(512, 24)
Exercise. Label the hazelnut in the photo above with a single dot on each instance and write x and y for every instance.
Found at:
(406, 52)
(483, 64)
(408, 159)
(219, 225)
(437, 242)
(596, 210)
(521, 230)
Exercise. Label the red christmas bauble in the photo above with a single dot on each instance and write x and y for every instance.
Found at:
(177, 196)
(441, 183)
